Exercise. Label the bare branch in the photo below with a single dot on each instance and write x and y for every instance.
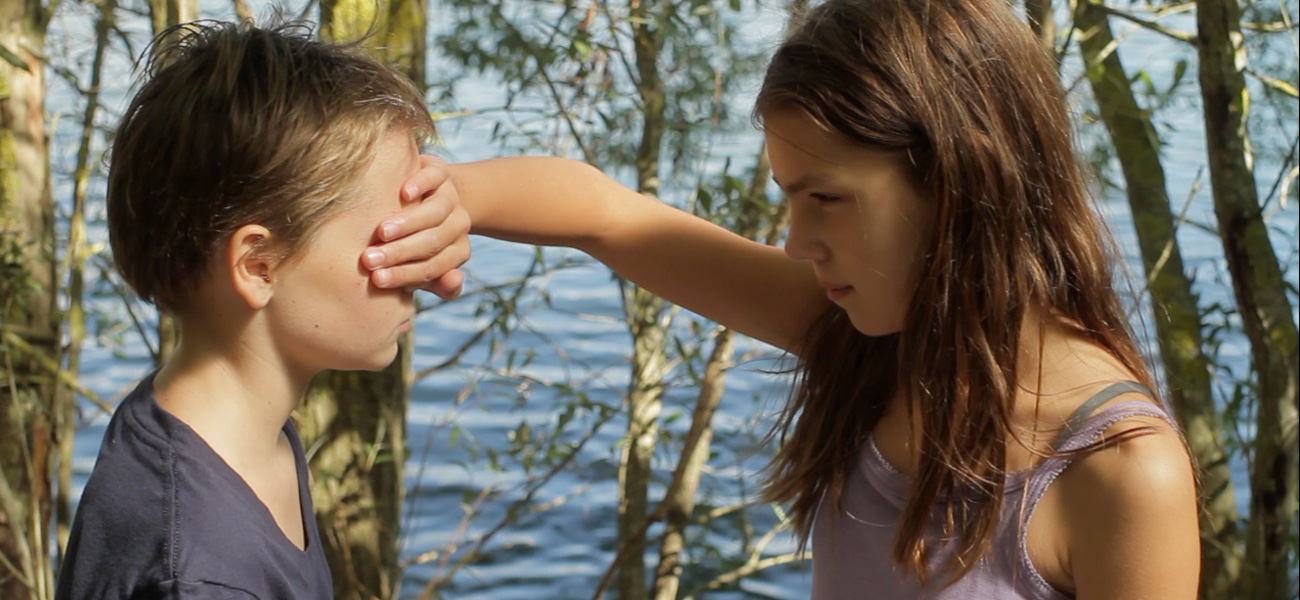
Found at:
(1285, 87)
(745, 570)
(52, 366)
(1152, 25)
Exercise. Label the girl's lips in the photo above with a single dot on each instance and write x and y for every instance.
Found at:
(837, 292)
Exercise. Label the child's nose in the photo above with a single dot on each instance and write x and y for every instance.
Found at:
(802, 243)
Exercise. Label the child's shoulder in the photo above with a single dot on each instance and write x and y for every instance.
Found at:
(1130, 510)
(1092, 400)
(133, 455)
(121, 532)
(163, 509)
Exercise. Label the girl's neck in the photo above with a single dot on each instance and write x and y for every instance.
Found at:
(1056, 360)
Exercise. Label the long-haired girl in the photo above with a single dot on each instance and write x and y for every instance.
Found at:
(972, 418)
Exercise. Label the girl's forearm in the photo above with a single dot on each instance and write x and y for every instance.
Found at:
(540, 200)
(738, 282)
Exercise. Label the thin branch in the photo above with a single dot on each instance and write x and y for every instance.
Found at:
(126, 296)
(587, 154)
(518, 508)
(1181, 36)
(745, 570)
(1284, 87)
(520, 286)
(446, 551)
(1172, 242)
(52, 366)
(1282, 184)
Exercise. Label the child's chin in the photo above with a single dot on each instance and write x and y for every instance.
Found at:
(377, 362)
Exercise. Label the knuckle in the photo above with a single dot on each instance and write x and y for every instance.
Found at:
(433, 247)
(432, 271)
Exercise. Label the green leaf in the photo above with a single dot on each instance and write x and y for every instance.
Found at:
(1180, 69)
(706, 200)
(1145, 78)
(583, 48)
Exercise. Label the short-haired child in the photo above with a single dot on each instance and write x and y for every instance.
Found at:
(248, 178)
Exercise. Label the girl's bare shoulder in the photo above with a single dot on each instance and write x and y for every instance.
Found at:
(1128, 504)
(1130, 516)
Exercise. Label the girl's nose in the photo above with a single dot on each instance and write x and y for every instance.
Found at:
(801, 241)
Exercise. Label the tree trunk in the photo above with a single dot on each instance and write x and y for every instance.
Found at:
(162, 15)
(644, 312)
(28, 314)
(686, 478)
(354, 423)
(75, 260)
(756, 219)
(1266, 313)
(1177, 315)
(1042, 21)
(167, 13)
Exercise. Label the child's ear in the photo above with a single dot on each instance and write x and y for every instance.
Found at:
(249, 264)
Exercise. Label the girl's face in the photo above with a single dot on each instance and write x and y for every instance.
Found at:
(324, 313)
(855, 214)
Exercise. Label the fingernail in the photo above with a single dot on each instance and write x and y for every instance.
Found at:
(412, 193)
(382, 277)
(374, 258)
(388, 231)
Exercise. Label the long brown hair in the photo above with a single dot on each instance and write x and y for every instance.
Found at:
(965, 90)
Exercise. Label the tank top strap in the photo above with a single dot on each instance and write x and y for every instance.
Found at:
(1081, 429)
(1081, 415)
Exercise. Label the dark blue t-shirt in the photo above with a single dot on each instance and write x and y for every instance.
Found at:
(163, 516)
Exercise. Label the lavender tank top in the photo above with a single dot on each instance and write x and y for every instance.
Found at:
(852, 547)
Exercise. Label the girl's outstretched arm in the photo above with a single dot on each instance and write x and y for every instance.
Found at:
(751, 287)
(745, 285)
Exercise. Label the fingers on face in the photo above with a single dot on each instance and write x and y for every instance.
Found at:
(428, 180)
(448, 286)
(434, 212)
(427, 242)
(425, 266)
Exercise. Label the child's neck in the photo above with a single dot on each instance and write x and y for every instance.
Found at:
(230, 390)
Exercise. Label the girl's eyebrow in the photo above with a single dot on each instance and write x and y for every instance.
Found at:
(803, 183)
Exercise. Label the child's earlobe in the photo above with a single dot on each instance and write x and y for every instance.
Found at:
(249, 265)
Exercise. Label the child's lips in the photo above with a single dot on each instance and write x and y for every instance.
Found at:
(836, 291)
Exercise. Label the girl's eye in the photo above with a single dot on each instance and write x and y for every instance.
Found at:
(824, 197)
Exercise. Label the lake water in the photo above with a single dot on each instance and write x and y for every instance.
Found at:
(569, 321)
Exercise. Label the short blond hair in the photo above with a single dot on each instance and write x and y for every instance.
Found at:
(235, 124)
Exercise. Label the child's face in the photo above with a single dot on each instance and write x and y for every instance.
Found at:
(855, 215)
(324, 313)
